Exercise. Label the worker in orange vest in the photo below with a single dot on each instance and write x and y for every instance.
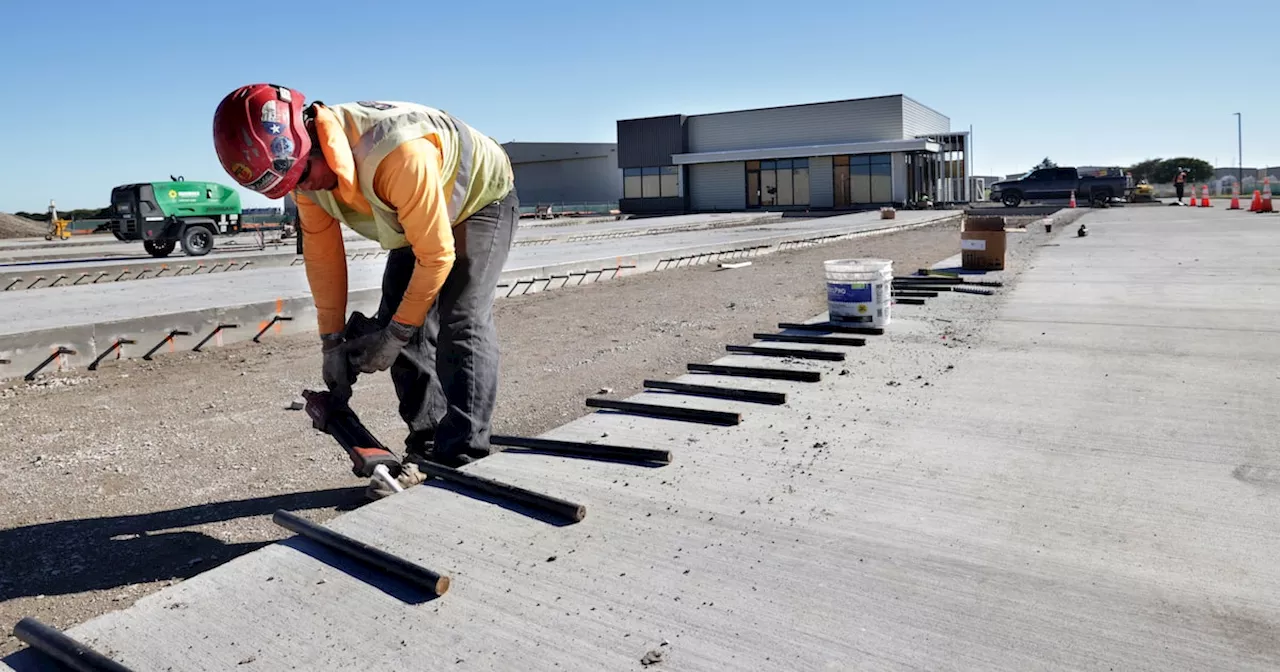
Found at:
(440, 198)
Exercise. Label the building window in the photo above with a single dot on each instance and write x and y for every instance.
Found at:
(862, 179)
(663, 182)
(777, 183)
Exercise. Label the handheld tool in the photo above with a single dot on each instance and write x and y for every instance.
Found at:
(369, 458)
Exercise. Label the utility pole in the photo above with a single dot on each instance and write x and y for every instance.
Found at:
(1240, 149)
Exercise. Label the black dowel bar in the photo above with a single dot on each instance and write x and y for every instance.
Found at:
(278, 318)
(505, 491)
(31, 375)
(969, 290)
(167, 339)
(796, 375)
(943, 280)
(910, 294)
(217, 330)
(65, 650)
(830, 327)
(822, 355)
(913, 287)
(588, 450)
(812, 340)
(714, 392)
(929, 279)
(376, 558)
(114, 346)
(722, 418)
(909, 302)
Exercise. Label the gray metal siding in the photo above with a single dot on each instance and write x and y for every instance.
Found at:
(594, 180)
(531, 152)
(919, 120)
(649, 143)
(864, 120)
(821, 187)
(718, 186)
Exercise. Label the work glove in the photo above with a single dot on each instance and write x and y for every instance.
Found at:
(337, 367)
(377, 351)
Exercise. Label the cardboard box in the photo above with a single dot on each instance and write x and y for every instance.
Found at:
(982, 244)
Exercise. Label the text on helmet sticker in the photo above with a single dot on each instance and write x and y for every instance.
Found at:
(268, 180)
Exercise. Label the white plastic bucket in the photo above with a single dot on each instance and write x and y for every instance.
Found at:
(859, 291)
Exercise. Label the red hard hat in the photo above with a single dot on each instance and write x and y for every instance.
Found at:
(260, 138)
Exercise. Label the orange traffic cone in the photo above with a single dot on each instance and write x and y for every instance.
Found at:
(1072, 204)
(1256, 205)
(1194, 202)
(1204, 200)
(1235, 196)
(1266, 196)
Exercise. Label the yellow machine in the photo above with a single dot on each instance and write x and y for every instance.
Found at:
(58, 228)
(1142, 192)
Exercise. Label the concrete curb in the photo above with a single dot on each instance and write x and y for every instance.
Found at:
(98, 344)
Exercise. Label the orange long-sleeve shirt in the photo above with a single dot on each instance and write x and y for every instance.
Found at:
(409, 180)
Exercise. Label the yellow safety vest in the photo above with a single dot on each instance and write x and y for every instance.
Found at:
(476, 170)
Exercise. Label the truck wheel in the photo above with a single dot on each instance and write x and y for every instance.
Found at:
(1100, 199)
(1011, 199)
(197, 241)
(158, 248)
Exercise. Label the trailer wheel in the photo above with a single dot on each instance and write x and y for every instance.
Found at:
(197, 241)
(158, 248)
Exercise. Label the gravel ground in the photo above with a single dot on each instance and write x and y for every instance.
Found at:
(126, 481)
(13, 226)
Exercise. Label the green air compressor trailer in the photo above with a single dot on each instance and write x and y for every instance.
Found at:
(165, 214)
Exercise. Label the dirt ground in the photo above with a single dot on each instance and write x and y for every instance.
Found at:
(12, 226)
(119, 483)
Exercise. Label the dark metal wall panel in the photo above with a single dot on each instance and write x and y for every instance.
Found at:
(645, 143)
(588, 180)
(652, 206)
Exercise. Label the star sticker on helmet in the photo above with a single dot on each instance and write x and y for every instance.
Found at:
(273, 128)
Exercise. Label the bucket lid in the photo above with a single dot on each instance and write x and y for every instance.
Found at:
(858, 265)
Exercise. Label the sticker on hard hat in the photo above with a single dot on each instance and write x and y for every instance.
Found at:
(282, 147)
(241, 172)
(374, 104)
(264, 183)
(274, 117)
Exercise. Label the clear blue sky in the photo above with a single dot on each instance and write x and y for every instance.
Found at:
(104, 93)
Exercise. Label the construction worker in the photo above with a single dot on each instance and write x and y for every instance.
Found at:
(1180, 183)
(440, 198)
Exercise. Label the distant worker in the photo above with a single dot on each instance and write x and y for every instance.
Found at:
(1180, 182)
(440, 197)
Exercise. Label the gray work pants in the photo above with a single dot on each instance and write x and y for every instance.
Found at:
(447, 376)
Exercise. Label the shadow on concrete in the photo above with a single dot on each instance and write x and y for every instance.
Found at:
(391, 585)
(501, 502)
(75, 556)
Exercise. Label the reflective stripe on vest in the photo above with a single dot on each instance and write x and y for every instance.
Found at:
(462, 177)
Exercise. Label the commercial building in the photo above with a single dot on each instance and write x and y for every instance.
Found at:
(842, 155)
(565, 173)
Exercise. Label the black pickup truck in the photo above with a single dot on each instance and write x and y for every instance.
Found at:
(1046, 184)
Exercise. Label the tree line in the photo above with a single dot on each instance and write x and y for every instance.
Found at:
(79, 213)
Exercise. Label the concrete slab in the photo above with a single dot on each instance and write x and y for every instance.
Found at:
(89, 319)
(113, 261)
(1028, 481)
